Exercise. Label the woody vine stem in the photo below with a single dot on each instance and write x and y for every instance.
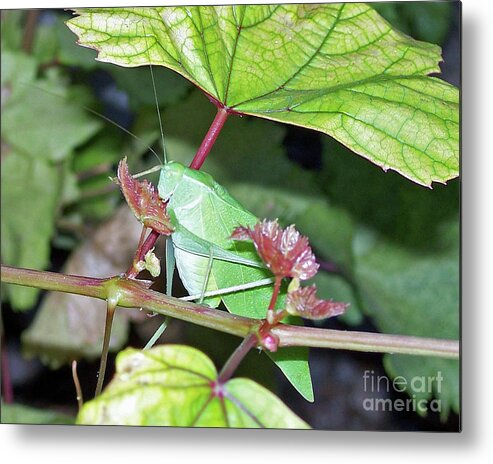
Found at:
(130, 294)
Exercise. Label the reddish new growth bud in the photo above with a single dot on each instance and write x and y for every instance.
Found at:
(144, 201)
(303, 302)
(270, 342)
(286, 252)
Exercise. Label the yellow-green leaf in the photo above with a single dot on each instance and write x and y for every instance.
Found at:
(175, 385)
(337, 68)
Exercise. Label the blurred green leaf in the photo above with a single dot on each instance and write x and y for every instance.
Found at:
(16, 68)
(94, 164)
(52, 136)
(445, 390)
(70, 188)
(45, 43)
(103, 152)
(406, 213)
(428, 21)
(335, 287)
(174, 385)
(20, 414)
(30, 192)
(39, 132)
(11, 30)
(137, 84)
(408, 287)
(413, 294)
(331, 233)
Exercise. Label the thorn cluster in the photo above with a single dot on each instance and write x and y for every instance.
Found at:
(288, 254)
(144, 201)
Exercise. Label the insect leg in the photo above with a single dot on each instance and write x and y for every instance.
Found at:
(170, 270)
(208, 273)
(233, 289)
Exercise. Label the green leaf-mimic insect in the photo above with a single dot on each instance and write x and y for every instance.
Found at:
(204, 215)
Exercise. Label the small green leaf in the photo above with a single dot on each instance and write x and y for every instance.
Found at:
(337, 68)
(174, 385)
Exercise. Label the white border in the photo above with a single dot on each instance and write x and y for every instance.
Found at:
(125, 445)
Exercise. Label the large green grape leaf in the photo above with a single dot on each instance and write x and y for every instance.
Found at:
(175, 385)
(337, 68)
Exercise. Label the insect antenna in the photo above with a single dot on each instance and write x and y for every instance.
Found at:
(165, 155)
(96, 113)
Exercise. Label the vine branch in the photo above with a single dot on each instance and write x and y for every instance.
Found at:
(210, 138)
(249, 342)
(131, 294)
